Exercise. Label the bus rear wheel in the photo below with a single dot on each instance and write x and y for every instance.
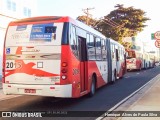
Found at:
(93, 87)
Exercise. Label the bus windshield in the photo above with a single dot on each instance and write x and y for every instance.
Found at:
(131, 54)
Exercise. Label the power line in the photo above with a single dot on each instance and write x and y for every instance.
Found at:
(110, 20)
(118, 25)
(2, 28)
(106, 21)
(112, 23)
(9, 16)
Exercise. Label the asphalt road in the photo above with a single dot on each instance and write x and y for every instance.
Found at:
(104, 99)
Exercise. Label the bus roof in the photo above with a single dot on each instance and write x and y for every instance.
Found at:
(44, 19)
(41, 19)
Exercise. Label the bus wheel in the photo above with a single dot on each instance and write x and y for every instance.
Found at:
(93, 87)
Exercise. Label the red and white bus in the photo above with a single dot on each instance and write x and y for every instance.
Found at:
(59, 57)
(134, 60)
(137, 60)
(152, 60)
(149, 60)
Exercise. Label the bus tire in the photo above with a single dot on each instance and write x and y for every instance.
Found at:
(93, 87)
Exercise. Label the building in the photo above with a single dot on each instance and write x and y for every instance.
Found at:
(12, 10)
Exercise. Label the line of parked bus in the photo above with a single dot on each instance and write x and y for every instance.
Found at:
(137, 60)
(62, 57)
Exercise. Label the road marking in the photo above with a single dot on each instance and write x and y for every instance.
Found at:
(127, 77)
(128, 97)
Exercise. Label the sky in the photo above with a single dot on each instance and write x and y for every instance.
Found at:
(73, 8)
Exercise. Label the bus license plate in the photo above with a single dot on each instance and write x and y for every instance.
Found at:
(29, 90)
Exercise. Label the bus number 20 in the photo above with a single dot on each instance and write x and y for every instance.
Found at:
(9, 65)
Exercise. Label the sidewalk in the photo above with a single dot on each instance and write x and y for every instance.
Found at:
(145, 100)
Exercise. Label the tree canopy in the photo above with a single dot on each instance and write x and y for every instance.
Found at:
(122, 22)
(119, 23)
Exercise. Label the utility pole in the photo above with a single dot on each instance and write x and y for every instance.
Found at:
(86, 11)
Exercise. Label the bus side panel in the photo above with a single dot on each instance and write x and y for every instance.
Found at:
(73, 70)
(94, 68)
(122, 69)
(109, 60)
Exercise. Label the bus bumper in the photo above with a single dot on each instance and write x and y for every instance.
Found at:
(131, 67)
(64, 91)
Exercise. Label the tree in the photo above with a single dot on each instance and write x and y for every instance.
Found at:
(84, 19)
(122, 22)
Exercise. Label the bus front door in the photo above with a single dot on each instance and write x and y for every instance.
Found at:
(83, 63)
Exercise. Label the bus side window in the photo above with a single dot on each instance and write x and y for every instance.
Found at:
(87, 42)
(120, 53)
(113, 51)
(98, 49)
(73, 41)
(104, 50)
(91, 48)
(117, 55)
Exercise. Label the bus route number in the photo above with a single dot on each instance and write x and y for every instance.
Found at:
(13, 65)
